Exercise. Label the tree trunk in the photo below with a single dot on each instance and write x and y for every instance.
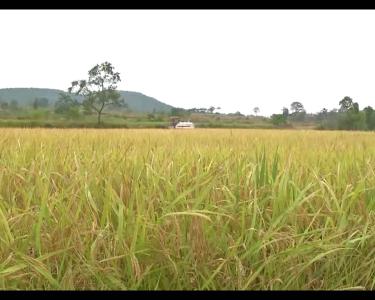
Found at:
(99, 117)
(100, 113)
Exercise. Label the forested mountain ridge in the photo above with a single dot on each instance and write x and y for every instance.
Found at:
(137, 102)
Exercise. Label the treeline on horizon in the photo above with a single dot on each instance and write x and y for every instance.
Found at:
(347, 117)
(96, 97)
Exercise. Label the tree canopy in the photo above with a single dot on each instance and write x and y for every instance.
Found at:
(99, 91)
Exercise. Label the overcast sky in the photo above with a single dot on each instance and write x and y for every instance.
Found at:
(235, 59)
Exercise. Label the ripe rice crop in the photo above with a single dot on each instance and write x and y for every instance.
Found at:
(197, 209)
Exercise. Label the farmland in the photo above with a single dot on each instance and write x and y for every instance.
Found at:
(195, 209)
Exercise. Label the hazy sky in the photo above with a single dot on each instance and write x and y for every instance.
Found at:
(235, 59)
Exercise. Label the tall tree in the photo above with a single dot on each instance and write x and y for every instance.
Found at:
(285, 112)
(296, 107)
(345, 104)
(256, 110)
(355, 108)
(211, 109)
(99, 91)
(298, 111)
(322, 115)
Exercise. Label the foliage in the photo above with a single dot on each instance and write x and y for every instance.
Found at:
(256, 110)
(68, 106)
(179, 112)
(369, 117)
(346, 104)
(99, 91)
(285, 112)
(40, 103)
(296, 107)
(278, 120)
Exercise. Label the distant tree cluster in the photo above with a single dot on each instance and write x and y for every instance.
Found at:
(203, 110)
(12, 105)
(347, 117)
(296, 113)
(68, 106)
(178, 111)
(40, 103)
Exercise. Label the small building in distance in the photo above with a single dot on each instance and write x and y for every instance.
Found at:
(185, 125)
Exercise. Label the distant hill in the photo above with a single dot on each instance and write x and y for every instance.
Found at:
(137, 102)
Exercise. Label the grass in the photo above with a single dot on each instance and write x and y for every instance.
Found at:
(196, 209)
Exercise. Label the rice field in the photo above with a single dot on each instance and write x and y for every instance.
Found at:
(186, 209)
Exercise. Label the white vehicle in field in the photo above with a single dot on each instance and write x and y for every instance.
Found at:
(185, 125)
